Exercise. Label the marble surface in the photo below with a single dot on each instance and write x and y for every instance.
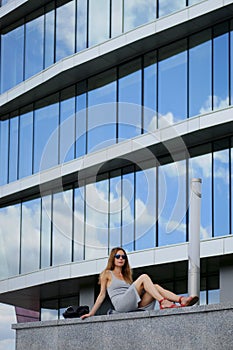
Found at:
(197, 327)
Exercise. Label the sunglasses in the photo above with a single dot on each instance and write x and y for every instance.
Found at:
(117, 256)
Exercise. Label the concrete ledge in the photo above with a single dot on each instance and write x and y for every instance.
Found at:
(198, 327)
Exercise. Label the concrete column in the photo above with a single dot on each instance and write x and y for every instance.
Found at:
(194, 238)
(87, 295)
(226, 284)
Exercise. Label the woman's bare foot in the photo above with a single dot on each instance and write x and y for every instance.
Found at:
(188, 301)
(167, 304)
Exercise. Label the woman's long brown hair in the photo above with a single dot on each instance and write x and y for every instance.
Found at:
(126, 270)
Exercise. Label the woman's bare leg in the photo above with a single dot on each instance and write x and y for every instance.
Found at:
(153, 291)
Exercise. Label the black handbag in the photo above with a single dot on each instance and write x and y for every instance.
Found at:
(75, 311)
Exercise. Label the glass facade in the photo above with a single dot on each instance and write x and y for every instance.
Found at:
(62, 28)
(157, 89)
(138, 207)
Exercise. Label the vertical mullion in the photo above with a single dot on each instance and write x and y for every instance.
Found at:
(51, 231)
(157, 207)
(212, 185)
(33, 137)
(142, 97)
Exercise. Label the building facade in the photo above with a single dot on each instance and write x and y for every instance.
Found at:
(108, 109)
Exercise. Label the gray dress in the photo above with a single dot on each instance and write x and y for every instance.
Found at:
(124, 296)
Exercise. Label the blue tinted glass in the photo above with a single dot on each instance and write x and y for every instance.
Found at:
(46, 137)
(49, 37)
(46, 218)
(30, 236)
(81, 38)
(67, 125)
(96, 242)
(99, 19)
(79, 223)
(9, 241)
(81, 124)
(62, 228)
(128, 211)
(130, 100)
(231, 59)
(12, 48)
(169, 6)
(13, 149)
(102, 111)
(150, 92)
(221, 66)
(172, 88)
(4, 137)
(65, 30)
(200, 71)
(115, 209)
(201, 167)
(25, 144)
(145, 208)
(34, 46)
(172, 203)
(137, 13)
(221, 193)
(116, 17)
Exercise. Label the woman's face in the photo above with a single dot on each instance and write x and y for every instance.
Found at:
(120, 258)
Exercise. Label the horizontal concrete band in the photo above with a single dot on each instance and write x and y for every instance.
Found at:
(198, 327)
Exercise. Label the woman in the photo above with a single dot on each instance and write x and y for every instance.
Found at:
(127, 295)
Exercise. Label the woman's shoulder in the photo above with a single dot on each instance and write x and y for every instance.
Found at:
(106, 274)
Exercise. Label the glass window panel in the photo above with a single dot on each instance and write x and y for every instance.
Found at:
(102, 111)
(67, 125)
(231, 151)
(65, 30)
(128, 211)
(168, 6)
(145, 208)
(81, 37)
(150, 92)
(221, 66)
(172, 203)
(46, 217)
(30, 236)
(130, 100)
(172, 88)
(62, 227)
(34, 46)
(201, 167)
(79, 223)
(25, 144)
(4, 140)
(48, 314)
(192, 2)
(9, 241)
(49, 35)
(214, 296)
(221, 193)
(231, 60)
(96, 220)
(99, 13)
(81, 120)
(115, 209)
(13, 149)
(116, 17)
(46, 135)
(12, 54)
(137, 13)
(200, 100)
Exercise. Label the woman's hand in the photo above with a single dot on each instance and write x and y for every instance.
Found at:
(85, 316)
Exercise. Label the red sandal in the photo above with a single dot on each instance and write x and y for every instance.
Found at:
(190, 301)
(172, 306)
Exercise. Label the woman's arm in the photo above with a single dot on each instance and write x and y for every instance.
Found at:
(100, 298)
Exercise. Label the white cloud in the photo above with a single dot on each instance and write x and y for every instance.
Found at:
(7, 335)
(219, 103)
